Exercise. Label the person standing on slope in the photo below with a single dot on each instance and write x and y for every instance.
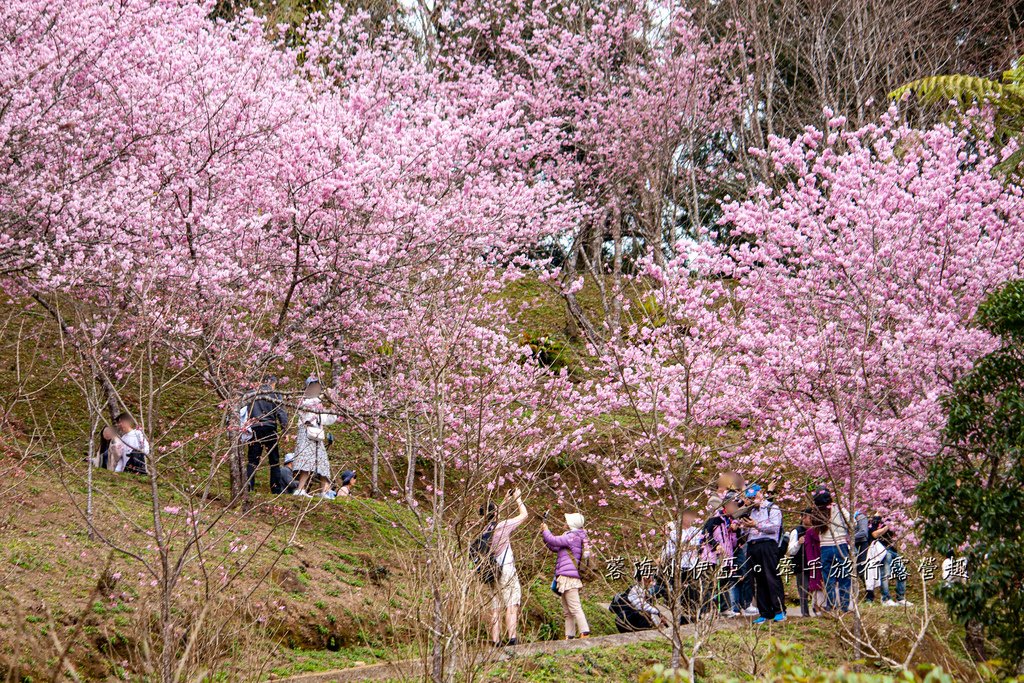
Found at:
(571, 548)
(508, 592)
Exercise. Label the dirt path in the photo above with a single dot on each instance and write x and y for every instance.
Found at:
(414, 668)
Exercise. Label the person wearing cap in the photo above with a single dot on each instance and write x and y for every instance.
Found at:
(763, 526)
(571, 549)
(719, 549)
(310, 442)
(835, 551)
(348, 480)
(286, 475)
(267, 414)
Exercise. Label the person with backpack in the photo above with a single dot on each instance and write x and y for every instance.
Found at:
(763, 524)
(571, 549)
(265, 415)
(130, 446)
(508, 592)
(634, 609)
(718, 548)
(835, 551)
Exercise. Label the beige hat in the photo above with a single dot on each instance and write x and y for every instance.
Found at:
(574, 520)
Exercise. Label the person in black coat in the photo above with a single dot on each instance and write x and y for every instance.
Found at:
(267, 415)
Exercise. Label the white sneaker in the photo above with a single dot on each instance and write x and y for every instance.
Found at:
(732, 614)
(891, 603)
(750, 612)
(905, 603)
(301, 492)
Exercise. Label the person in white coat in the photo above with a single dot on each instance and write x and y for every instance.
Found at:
(130, 447)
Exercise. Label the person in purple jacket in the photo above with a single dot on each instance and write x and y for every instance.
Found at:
(572, 549)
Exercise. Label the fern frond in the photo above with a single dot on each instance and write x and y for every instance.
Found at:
(962, 88)
(1015, 74)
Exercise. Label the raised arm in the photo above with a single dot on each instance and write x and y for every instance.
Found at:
(523, 514)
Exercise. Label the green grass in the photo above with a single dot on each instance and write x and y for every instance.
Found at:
(605, 665)
(305, 661)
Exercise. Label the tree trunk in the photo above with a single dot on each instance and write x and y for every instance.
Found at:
(375, 463)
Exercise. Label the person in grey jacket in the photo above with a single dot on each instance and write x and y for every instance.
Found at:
(267, 415)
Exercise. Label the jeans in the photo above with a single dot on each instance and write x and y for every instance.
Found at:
(901, 584)
(729, 595)
(835, 569)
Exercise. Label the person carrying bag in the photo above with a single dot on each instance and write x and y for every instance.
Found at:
(571, 553)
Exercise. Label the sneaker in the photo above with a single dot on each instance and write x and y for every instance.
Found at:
(585, 635)
(512, 642)
(781, 616)
(760, 620)
(891, 603)
(904, 603)
(750, 611)
(301, 492)
(328, 495)
(733, 614)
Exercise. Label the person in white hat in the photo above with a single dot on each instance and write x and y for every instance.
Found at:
(572, 550)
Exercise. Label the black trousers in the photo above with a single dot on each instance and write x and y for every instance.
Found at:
(764, 565)
(264, 438)
(628, 618)
(803, 579)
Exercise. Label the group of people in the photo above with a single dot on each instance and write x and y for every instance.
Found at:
(734, 560)
(123, 447)
(262, 417)
(495, 564)
(307, 470)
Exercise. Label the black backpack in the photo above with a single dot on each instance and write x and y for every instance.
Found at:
(136, 463)
(483, 559)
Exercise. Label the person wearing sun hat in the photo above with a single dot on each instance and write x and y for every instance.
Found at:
(571, 548)
(763, 526)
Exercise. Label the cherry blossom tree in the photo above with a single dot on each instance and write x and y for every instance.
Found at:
(858, 274)
(635, 91)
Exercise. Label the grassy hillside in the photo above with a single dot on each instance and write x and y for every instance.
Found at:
(319, 586)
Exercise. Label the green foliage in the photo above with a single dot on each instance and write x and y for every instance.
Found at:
(972, 497)
(785, 667)
(1005, 96)
(550, 352)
